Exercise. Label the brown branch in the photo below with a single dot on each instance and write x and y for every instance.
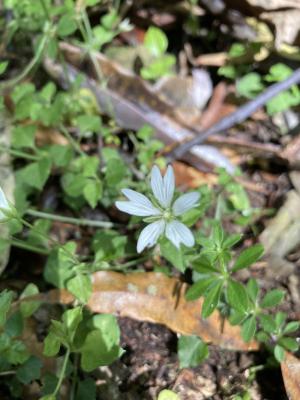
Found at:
(238, 116)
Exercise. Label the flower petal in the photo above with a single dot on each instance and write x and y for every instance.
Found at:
(138, 205)
(178, 233)
(185, 203)
(136, 209)
(3, 205)
(169, 185)
(141, 200)
(157, 185)
(150, 235)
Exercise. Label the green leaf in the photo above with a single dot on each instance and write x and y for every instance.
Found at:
(86, 390)
(199, 288)
(279, 353)
(108, 325)
(280, 318)
(109, 245)
(71, 319)
(218, 234)
(278, 72)
(272, 298)
(5, 302)
(3, 66)
(282, 102)
(61, 155)
(116, 170)
(158, 68)
(231, 240)
(168, 395)
(30, 370)
(211, 299)
(204, 265)
(252, 289)
(156, 41)
(249, 329)
(59, 266)
(267, 322)
(248, 257)
(36, 174)
(291, 327)
(290, 344)
(250, 85)
(89, 123)
(17, 353)
(102, 354)
(174, 255)
(23, 136)
(191, 351)
(238, 196)
(27, 308)
(15, 324)
(237, 296)
(81, 287)
(66, 25)
(92, 192)
(51, 345)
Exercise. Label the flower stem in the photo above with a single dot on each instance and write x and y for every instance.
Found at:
(53, 241)
(72, 141)
(26, 246)
(70, 220)
(18, 153)
(62, 372)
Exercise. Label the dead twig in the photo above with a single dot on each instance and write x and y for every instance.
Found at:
(238, 116)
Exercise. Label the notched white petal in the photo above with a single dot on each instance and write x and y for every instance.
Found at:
(178, 233)
(150, 235)
(169, 185)
(185, 202)
(157, 185)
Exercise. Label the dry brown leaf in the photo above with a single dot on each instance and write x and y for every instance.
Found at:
(156, 298)
(290, 369)
(132, 102)
(46, 136)
(190, 177)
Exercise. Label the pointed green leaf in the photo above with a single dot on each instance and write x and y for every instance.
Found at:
(191, 351)
(249, 329)
(199, 288)
(237, 296)
(248, 257)
(212, 299)
(272, 298)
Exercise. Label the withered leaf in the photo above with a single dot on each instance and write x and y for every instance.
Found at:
(154, 297)
(290, 369)
(131, 101)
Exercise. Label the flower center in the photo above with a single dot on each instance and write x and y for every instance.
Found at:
(167, 215)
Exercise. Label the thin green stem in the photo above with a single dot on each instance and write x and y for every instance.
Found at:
(75, 376)
(30, 66)
(134, 262)
(46, 11)
(54, 242)
(70, 220)
(19, 153)
(62, 372)
(73, 142)
(26, 246)
(6, 373)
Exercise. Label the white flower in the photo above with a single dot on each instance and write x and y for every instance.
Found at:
(164, 213)
(4, 206)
